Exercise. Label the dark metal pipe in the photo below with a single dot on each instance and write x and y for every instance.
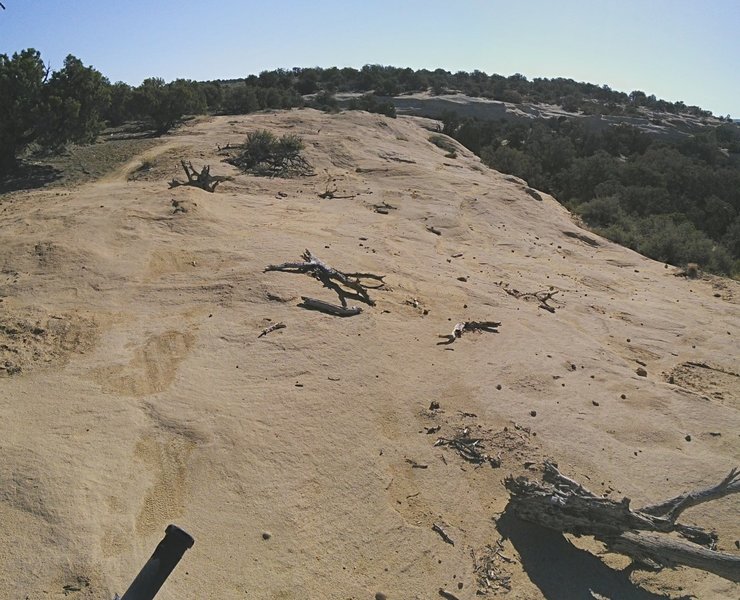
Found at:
(161, 563)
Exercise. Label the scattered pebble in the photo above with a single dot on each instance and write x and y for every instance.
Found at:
(532, 413)
(641, 372)
(434, 405)
(594, 403)
(266, 535)
(380, 596)
(623, 397)
(498, 387)
(688, 438)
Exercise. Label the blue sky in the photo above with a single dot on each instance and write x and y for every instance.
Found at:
(675, 49)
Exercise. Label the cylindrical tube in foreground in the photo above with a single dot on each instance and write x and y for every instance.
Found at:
(161, 563)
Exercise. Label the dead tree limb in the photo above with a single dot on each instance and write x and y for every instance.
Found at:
(671, 509)
(655, 548)
(272, 328)
(469, 448)
(383, 208)
(331, 194)
(460, 328)
(543, 297)
(564, 505)
(328, 308)
(203, 180)
(443, 534)
(333, 279)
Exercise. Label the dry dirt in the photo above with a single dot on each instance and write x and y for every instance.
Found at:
(135, 392)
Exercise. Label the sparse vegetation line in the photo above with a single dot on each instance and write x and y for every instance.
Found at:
(675, 198)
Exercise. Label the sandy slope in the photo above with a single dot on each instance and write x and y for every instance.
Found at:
(144, 396)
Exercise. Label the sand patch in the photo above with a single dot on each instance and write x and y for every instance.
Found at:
(711, 380)
(32, 339)
(151, 369)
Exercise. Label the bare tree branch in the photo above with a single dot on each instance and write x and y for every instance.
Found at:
(333, 279)
(203, 180)
(564, 505)
(672, 508)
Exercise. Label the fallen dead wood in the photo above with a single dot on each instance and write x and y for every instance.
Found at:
(469, 448)
(460, 328)
(331, 194)
(650, 536)
(272, 328)
(443, 534)
(328, 308)
(384, 208)
(488, 572)
(203, 180)
(543, 297)
(333, 279)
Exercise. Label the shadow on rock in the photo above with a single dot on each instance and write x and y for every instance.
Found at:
(563, 572)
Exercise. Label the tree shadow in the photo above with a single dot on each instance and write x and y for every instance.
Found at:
(132, 130)
(563, 572)
(28, 176)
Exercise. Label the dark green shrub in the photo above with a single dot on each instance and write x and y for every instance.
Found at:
(240, 99)
(21, 85)
(601, 212)
(371, 104)
(516, 162)
(164, 104)
(66, 107)
(263, 153)
(443, 142)
(325, 101)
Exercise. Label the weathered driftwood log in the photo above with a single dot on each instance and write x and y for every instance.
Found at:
(203, 180)
(328, 308)
(333, 279)
(564, 505)
(460, 328)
